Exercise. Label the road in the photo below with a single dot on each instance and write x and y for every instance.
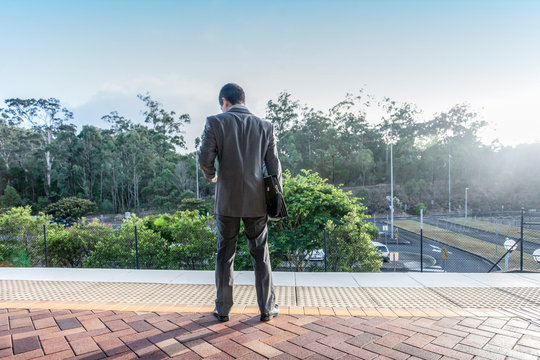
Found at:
(409, 256)
(529, 247)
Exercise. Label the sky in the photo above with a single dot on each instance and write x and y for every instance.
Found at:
(96, 56)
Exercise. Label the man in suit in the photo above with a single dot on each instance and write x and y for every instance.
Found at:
(242, 144)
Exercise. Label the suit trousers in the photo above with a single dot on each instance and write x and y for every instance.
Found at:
(257, 234)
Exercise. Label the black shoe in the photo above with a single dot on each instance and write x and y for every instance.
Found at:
(221, 318)
(272, 314)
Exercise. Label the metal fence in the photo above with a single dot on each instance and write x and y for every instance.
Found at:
(458, 244)
(431, 244)
(97, 246)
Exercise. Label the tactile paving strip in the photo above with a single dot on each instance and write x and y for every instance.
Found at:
(340, 297)
(131, 293)
(407, 297)
(333, 296)
(491, 297)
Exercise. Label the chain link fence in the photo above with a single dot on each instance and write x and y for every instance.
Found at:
(432, 244)
(99, 246)
(459, 244)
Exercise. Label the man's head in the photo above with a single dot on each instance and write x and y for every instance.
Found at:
(231, 94)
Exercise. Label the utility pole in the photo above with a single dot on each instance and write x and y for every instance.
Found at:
(197, 142)
(197, 172)
(466, 190)
(391, 185)
(449, 185)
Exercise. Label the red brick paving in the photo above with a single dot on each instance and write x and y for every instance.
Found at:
(63, 334)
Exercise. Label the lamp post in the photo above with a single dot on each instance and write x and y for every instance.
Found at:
(466, 190)
(391, 186)
(449, 185)
(509, 245)
(197, 142)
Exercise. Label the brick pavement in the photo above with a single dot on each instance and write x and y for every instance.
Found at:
(93, 334)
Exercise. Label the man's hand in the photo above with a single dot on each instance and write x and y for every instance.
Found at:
(214, 180)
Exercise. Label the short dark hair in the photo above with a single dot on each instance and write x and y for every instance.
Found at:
(233, 93)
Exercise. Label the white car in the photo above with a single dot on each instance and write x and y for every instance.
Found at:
(383, 250)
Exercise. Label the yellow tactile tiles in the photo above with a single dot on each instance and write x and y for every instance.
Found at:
(317, 301)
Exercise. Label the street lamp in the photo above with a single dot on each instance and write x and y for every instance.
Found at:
(449, 185)
(536, 255)
(510, 245)
(466, 190)
(197, 143)
(391, 184)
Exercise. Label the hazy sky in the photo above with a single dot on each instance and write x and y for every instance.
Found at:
(95, 56)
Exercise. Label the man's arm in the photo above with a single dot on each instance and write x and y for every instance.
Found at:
(271, 160)
(208, 152)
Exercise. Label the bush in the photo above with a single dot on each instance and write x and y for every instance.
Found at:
(71, 209)
(311, 203)
(72, 246)
(415, 210)
(22, 237)
(191, 204)
(118, 249)
(349, 246)
(189, 238)
(10, 198)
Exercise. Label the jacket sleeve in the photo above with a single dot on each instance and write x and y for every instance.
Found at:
(271, 160)
(208, 152)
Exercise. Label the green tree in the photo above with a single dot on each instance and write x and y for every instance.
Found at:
(71, 209)
(350, 247)
(10, 198)
(311, 203)
(46, 116)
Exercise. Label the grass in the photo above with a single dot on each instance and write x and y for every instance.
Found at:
(475, 246)
(507, 230)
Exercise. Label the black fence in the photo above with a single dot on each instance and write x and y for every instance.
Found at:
(435, 244)
(98, 246)
(459, 244)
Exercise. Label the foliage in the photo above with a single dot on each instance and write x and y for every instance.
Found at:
(415, 210)
(189, 239)
(72, 246)
(349, 245)
(311, 203)
(118, 250)
(71, 209)
(22, 236)
(10, 198)
(192, 204)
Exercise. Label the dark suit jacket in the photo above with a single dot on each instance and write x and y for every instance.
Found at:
(242, 143)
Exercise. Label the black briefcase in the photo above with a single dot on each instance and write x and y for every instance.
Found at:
(275, 203)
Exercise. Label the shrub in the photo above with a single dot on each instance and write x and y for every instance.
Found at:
(22, 237)
(71, 209)
(117, 250)
(311, 203)
(10, 198)
(349, 246)
(191, 204)
(189, 237)
(72, 246)
(415, 210)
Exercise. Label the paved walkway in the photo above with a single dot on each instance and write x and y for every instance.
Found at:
(90, 314)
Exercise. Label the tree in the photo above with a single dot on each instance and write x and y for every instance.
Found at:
(311, 203)
(10, 198)
(282, 113)
(71, 209)
(46, 116)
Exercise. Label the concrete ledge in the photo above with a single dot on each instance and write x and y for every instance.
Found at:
(316, 279)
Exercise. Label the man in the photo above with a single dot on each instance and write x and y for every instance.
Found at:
(243, 144)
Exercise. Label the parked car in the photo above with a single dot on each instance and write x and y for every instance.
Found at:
(383, 250)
